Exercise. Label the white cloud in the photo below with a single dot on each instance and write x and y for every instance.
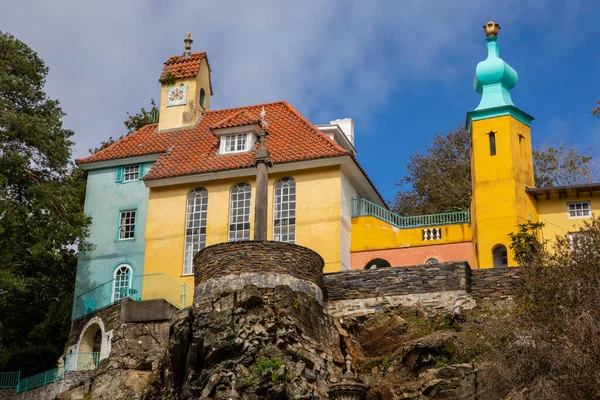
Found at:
(324, 57)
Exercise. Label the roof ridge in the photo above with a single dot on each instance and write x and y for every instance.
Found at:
(247, 106)
(186, 58)
(243, 112)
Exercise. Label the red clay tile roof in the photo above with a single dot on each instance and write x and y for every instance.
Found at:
(183, 67)
(195, 150)
(240, 118)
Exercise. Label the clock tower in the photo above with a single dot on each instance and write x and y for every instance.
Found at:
(185, 89)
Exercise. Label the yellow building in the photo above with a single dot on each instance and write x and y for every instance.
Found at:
(201, 179)
(188, 181)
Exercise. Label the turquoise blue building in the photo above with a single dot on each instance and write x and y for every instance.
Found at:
(117, 201)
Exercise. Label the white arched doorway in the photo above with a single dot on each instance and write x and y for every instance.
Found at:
(500, 256)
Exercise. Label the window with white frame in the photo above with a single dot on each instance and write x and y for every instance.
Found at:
(195, 227)
(131, 173)
(121, 282)
(235, 143)
(284, 211)
(127, 225)
(579, 209)
(239, 212)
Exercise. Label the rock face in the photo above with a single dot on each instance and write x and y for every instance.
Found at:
(252, 344)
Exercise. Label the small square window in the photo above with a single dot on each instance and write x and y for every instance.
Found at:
(234, 143)
(127, 225)
(131, 173)
(580, 209)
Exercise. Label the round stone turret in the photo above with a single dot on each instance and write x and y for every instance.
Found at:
(494, 78)
(265, 264)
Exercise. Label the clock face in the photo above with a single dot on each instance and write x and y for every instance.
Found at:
(176, 95)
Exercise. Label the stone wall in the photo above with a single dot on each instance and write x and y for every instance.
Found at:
(496, 285)
(111, 316)
(7, 394)
(418, 279)
(51, 390)
(441, 286)
(266, 264)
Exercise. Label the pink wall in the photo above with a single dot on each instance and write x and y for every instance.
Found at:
(405, 256)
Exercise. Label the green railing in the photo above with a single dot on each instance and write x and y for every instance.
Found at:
(9, 379)
(362, 208)
(42, 379)
(83, 361)
(141, 287)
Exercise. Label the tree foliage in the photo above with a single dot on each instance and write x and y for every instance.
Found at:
(549, 348)
(561, 166)
(596, 111)
(439, 178)
(41, 215)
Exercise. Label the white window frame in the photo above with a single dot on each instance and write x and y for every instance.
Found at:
(131, 173)
(284, 210)
(116, 291)
(242, 143)
(195, 227)
(239, 212)
(586, 212)
(124, 224)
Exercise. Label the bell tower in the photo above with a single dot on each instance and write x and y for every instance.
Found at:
(501, 159)
(185, 89)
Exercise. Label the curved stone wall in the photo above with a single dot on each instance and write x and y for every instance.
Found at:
(266, 264)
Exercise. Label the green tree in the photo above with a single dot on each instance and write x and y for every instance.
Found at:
(41, 215)
(439, 178)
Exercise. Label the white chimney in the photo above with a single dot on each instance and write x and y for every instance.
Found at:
(347, 126)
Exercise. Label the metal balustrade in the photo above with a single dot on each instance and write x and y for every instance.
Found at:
(141, 287)
(82, 361)
(41, 379)
(363, 207)
(9, 379)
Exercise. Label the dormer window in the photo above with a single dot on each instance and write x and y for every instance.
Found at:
(237, 143)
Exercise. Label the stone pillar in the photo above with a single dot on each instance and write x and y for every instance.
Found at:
(262, 162)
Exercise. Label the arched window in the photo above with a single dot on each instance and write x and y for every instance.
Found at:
(500, 256)
(122, 282)
(202, 98)
(195, 227)
(431, 261)
(284, 211)
(239, 212)
(377, 263)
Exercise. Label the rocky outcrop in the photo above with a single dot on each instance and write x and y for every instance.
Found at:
(253, 344)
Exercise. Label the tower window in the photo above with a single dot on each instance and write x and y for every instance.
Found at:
(202, 98)
(492, 136)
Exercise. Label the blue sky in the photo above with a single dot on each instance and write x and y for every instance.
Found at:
(401, 69)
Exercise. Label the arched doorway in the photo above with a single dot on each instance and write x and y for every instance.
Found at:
(90, 346)
(377, 263)
(500, 256)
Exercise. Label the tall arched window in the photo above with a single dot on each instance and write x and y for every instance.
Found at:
(239, 212)
(284, 211)
(122, 282)
(202, 98)
(195, 227)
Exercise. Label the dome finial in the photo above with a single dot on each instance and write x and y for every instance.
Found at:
(491, 29)
(494, 78)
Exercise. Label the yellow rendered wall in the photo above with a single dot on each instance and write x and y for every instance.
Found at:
(370, 233)
(317, 218)
(500, 202)
(554, 215)
(189, 113)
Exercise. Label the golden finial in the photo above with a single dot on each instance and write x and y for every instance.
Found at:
(189, 34)
(491, 29)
